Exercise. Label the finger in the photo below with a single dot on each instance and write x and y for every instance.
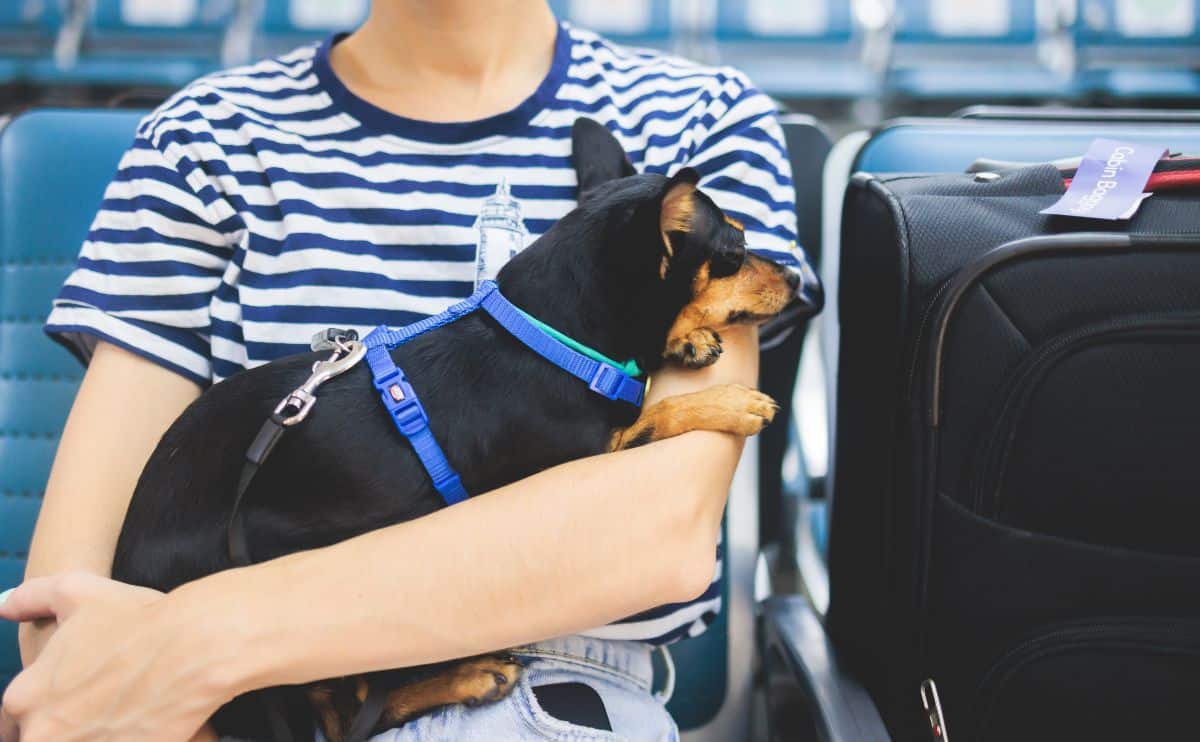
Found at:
(53, 596)
(28, 601)
(18, 697)
(8, 727)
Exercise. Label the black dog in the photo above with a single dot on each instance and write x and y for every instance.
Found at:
(646, 268)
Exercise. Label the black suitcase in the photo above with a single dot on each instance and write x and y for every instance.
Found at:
(1016, 499)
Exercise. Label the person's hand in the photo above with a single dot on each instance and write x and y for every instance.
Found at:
(110, 671)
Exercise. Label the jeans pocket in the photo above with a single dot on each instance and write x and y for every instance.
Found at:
(551, 727)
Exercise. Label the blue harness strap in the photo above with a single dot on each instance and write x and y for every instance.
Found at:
(605, 380)
(409, 415)
(413, 422)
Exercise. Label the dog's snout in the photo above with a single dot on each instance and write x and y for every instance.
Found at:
(793, 279)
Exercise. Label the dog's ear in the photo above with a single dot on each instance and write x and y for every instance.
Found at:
(676, 211)
(678, 203)
(596, 155)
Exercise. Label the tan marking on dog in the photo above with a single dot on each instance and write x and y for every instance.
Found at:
(758, 291)
(728, 408)
(321, 698)
(471, 681)
(734, 223)
(676, 214)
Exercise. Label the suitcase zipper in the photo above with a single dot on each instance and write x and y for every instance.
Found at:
(932, 705)
(1119, 632)
(1022, 384)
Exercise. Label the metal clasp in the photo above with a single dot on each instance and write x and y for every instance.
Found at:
(345, 356)
(933, 710)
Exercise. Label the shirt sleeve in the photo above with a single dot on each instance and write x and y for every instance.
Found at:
(152, 260)
(744, 167)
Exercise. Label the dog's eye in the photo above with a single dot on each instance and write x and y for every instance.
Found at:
(729, 257)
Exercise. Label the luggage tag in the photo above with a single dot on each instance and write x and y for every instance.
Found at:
(1110, 181)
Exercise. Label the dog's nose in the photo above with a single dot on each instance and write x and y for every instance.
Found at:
(793, 279)
(810, 295)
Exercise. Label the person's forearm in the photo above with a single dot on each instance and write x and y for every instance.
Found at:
(571, 548)
(123, 406)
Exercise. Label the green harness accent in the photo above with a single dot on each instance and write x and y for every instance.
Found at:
(629, 367)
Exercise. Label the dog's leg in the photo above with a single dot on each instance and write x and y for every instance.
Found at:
(472, 682)
(695, 348)
(728, 408)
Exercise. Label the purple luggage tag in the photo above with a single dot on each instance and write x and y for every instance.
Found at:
(1109, 181)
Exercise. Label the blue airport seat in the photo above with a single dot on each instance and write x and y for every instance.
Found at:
(637, 23)
(54, 166)
(795, 50)
(1145, 50)
(157, 43)
(27, 31)
(288, 24)
(951, 49)
(949, 145)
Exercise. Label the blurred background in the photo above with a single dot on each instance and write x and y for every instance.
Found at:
(851, 62)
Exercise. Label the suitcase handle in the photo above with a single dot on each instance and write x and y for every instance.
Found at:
(957, 288)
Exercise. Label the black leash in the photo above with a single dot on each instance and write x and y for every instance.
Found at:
(293, 409)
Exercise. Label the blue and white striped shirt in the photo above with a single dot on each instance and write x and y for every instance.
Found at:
(262, 204)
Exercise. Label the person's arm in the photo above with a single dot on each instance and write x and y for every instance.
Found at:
(568, 549)
(123, 407)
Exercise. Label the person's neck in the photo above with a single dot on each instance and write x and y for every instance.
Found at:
(448, 60)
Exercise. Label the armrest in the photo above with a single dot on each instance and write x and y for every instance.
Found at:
(799, 655)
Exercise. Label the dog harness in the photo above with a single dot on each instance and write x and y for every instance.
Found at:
(602, 375)
(606, 377)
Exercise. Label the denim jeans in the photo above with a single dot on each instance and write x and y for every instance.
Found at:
(621, 672)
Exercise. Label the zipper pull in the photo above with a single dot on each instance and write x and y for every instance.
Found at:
(933, 710)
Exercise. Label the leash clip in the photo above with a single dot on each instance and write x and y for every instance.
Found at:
(302, 399)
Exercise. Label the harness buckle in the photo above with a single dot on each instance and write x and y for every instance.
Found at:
(411, 417)
(402, 402)
(606, 381)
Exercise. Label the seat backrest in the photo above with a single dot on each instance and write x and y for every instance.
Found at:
(1112, 23)
(981, 21)
(314, 18)
(633, 22)
(28, 25)
(28, 14)
(54, 166)
(161, 16)
(827, 21)
(950, 145)
(807, 145)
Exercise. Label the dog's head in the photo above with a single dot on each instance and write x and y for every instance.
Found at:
(653, 268)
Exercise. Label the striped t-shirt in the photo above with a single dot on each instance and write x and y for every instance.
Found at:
(262, 204)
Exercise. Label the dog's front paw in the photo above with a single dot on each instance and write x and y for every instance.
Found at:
(753, 409)
(699, 348)
(485, 679)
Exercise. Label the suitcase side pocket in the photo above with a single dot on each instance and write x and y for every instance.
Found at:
(1051, 464)
(1104, 679)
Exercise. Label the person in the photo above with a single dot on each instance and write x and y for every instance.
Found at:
(338, 185)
